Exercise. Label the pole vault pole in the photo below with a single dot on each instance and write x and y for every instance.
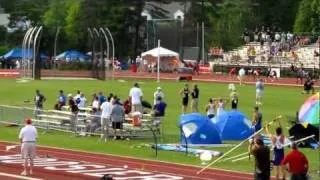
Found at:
(234, 148)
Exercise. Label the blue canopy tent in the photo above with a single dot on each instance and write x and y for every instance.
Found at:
(18, 53)
(198, 129)
(233, 125)
(72, 55)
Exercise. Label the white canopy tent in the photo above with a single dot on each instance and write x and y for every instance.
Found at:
(160, 51)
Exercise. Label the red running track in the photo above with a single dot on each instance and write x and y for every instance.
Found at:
(54, 164)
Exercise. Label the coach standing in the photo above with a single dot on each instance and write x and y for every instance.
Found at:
(28, 136)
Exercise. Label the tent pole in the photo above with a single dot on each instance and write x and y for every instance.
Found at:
(158, 65)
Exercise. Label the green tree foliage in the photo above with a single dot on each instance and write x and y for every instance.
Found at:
(308, 17)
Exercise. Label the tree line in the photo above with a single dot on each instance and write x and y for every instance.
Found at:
(225, 20)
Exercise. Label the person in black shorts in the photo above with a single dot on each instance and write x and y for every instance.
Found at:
(185, 97)
(117, 118)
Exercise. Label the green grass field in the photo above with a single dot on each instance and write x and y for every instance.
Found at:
(277, 101)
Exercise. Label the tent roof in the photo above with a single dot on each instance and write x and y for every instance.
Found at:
(72, 55)
(163, 52)
(18, 53)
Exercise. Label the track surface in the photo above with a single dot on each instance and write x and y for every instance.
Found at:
(64, 164)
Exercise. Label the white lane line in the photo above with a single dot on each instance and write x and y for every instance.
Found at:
(17, 176)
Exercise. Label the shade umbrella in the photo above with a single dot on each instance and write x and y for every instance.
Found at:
(309, 111)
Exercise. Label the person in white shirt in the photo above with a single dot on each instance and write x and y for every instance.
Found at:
(157, 94)
(76, 98)
(241, 76)
(135, 96)
(82, 101)
(106, 108)
(28, 136)
(95, 103)
(259, 91)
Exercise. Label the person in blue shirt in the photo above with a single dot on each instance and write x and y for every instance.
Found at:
(61, 100)
(159, 107)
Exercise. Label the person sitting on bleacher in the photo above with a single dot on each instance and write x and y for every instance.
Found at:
(159, 108)
(95, 121)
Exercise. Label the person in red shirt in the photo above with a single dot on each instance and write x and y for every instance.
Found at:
(296, 163)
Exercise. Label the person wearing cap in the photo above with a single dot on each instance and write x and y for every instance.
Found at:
(158, 93)
(296, 163)
(28, 136)
(261, 154)
(135, 96)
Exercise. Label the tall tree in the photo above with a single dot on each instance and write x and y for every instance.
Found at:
(308, 17)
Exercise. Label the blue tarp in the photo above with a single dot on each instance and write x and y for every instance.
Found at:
(17, 53)
(233, 125)
(198, 129)
(72, 55)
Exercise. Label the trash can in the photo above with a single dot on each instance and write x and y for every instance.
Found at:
(134, 68)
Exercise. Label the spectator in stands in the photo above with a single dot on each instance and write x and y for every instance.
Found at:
(296, 163)
(117, 118)
(257, 119)
(256, 35)
(160, 107)
(246, 36)
(82, 101)
(259, 91)
(185, 97)
(135, 96)
(158, 93)
(95, 103)
(77, 97)
(39, 99)
(106, 108)
(101, 97)
(74, 110)
(195, 99)
(61, 100)
(241, 76)
(211, 108)
(262, 159)
(308, 86)
(95, 121)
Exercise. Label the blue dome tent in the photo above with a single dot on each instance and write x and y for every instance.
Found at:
(233, 125)
(198, 129)
(18, 53)
(72, 55)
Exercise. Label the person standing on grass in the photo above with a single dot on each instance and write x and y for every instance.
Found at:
(158, 93)
(83, 100)
(28, 136)
(62, 100)
(211, 109)
(106, 108)
(135, 96)
(101, 97)
(242, 74)
(39, 99)
(185, 98)
(259, 91)
(74, 110)
(77, 97)
(234, 96)
(261, 154)
(195, 99)
(117, 118)
(277, 142)
(296, 163)
(257, 119)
